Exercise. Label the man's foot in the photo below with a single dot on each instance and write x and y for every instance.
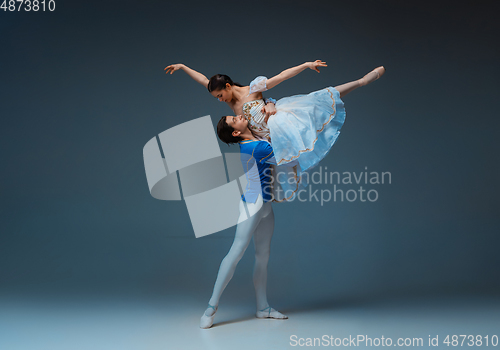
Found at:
(207, 320)
(269, 312)
(372, 76)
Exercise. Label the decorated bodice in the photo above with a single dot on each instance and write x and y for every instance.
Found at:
(252, 111)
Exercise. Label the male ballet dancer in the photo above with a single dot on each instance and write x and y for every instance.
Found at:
(256, 156)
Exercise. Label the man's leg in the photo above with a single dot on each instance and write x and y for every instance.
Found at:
(244, 232)
(262, 241)
(242, 237)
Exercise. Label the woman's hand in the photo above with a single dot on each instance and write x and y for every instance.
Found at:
(198, 77)
(314, 65)
(269, 109)
(291, 72)
(173, 67)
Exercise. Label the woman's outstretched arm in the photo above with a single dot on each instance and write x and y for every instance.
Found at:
(198, 77)
(291, 72)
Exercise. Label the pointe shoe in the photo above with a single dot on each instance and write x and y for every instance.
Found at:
(269, 312)
(208, 321)
(379, 72)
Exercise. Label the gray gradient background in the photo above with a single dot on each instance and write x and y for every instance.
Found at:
(83, 89)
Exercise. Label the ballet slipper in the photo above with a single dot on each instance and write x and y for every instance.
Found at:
(270, 313)
(208, 321)
(370, 78)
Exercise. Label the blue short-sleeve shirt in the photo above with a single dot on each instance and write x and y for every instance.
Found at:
(256, 158)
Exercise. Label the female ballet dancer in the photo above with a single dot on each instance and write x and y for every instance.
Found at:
(256, 157)
(304, 127)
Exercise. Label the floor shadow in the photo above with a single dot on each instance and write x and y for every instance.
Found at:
(337, 303)
(237, 320)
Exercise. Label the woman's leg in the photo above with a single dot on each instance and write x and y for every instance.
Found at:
(344, 89)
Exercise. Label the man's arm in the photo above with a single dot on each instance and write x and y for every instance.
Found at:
(266, 155)
(269, 108)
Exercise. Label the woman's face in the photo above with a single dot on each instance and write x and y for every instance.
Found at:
(224, 95)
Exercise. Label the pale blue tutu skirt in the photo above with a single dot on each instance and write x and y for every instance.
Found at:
(304, 129)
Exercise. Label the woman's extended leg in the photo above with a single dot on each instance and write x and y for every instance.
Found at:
(262, 242)
(344, 89)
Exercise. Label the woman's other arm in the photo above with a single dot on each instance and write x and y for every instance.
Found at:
(197, 76)
(291, 72)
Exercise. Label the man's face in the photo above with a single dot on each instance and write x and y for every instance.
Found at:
(238, 123)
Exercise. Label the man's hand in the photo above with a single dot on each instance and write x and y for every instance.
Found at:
(269, 110)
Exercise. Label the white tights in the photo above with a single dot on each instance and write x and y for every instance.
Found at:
(260, 226)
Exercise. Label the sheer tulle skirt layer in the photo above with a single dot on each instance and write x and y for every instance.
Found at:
(304, 129)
